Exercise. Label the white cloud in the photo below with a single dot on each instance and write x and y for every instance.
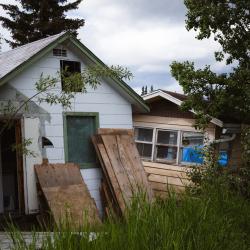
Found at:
(144, 35)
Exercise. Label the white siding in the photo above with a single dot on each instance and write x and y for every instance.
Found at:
(114, 111)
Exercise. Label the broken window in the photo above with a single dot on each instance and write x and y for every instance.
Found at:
(69, 69)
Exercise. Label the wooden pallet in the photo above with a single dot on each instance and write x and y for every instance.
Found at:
(124, 175)
(66, 194)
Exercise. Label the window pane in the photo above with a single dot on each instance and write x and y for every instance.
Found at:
(167, 137)
(145, 150)
(144, 134)
(192, 147)
(190, 139)
(166, 153)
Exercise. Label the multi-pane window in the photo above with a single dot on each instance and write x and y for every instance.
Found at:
(169, 146)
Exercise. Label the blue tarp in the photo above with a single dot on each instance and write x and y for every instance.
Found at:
(194, 155)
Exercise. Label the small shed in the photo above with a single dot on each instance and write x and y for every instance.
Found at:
(58, 134)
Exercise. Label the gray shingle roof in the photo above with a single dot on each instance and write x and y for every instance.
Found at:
(11, 59)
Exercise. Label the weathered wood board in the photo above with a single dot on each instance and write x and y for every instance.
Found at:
(67, 194)
(122, 167)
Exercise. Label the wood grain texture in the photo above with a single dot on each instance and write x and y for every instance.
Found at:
(168, 180)
(166, 172)
(108, 171)
(115, 131)
(67, 194)
(166, 166)
(156, 186)
(122, 166)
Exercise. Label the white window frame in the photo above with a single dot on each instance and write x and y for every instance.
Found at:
(146, 142)
(178, 145)
(162, 144)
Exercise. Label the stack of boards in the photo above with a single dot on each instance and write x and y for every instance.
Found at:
(124, 174)
(66, 194)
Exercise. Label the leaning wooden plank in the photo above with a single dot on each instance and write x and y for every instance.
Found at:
(111, 147)
(133, 157)
(109, 172)
(127, 165)
(100, 150)
(114, 131)
(53, 175)
(67, 194)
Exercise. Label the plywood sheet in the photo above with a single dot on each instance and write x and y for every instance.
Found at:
(67, 194)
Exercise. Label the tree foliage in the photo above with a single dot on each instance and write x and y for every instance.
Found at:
(211, 94)
(38, 19)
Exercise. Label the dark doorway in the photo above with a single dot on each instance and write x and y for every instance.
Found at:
(11, 169)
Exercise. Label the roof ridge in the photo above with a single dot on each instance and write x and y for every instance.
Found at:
(42, 39)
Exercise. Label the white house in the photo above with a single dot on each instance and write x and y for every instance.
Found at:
(57, 134)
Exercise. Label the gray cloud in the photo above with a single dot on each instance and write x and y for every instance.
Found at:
(173, 11)
(143, 35)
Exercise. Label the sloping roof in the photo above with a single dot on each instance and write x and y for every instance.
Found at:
(15, 61)
(179, 96)
(176, 98)
(11, 59)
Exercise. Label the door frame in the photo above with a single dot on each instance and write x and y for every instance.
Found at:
(19, 167)
(65, 134)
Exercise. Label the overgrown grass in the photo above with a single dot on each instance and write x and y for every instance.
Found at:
(216, 219)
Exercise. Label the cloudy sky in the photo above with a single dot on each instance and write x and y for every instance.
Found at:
(143, 35)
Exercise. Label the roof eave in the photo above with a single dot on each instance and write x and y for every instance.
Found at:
(178, 102)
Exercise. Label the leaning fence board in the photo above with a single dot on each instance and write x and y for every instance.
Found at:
(121, 164)
(109, 172)
(111, 147)
(66, 194)
(134, 158)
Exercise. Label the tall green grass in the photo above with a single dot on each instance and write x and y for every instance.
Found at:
(216, 219)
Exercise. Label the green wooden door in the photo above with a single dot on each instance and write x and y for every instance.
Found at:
(78, 131)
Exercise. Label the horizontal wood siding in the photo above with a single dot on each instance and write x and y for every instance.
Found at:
(114, 110)
(164, 177)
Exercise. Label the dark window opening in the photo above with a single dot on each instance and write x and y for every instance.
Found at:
(60, 52)
(69, 68)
